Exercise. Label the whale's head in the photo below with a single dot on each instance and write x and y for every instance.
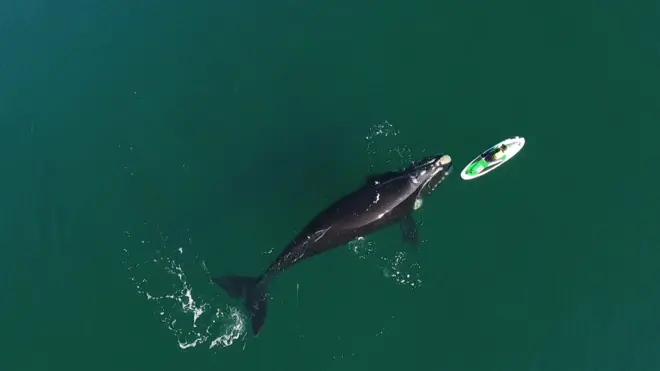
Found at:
(429, 172)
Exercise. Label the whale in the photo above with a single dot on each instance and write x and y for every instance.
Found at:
(384, 200)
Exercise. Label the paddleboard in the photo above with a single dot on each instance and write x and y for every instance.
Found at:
(480, 167)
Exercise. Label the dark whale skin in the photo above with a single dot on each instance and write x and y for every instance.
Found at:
(384, 200)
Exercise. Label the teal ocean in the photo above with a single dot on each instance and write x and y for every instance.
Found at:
(147, 145)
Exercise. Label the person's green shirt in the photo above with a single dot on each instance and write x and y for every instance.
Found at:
(478, 166)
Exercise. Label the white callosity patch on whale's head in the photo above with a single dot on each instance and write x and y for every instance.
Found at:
(431, 171)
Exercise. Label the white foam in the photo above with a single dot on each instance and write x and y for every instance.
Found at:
(376, 134)
(361, 247)
(396, 267)
(382, 129)
(382, 139)
(192, 317)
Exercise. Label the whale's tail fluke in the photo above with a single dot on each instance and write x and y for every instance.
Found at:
(253, 290)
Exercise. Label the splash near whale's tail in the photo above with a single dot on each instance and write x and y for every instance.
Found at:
(253, 290)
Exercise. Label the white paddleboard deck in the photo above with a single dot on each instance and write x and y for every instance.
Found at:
(514, 145)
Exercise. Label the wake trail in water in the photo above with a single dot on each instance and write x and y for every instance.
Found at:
(158, 271)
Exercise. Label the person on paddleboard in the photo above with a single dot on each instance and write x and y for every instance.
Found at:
(492, 158)
(496, 154)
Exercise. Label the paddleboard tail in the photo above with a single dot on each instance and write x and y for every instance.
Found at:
(253, 290)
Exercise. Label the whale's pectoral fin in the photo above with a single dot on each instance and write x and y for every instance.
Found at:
(409, 232)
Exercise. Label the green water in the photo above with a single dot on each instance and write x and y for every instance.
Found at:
(145, 145)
